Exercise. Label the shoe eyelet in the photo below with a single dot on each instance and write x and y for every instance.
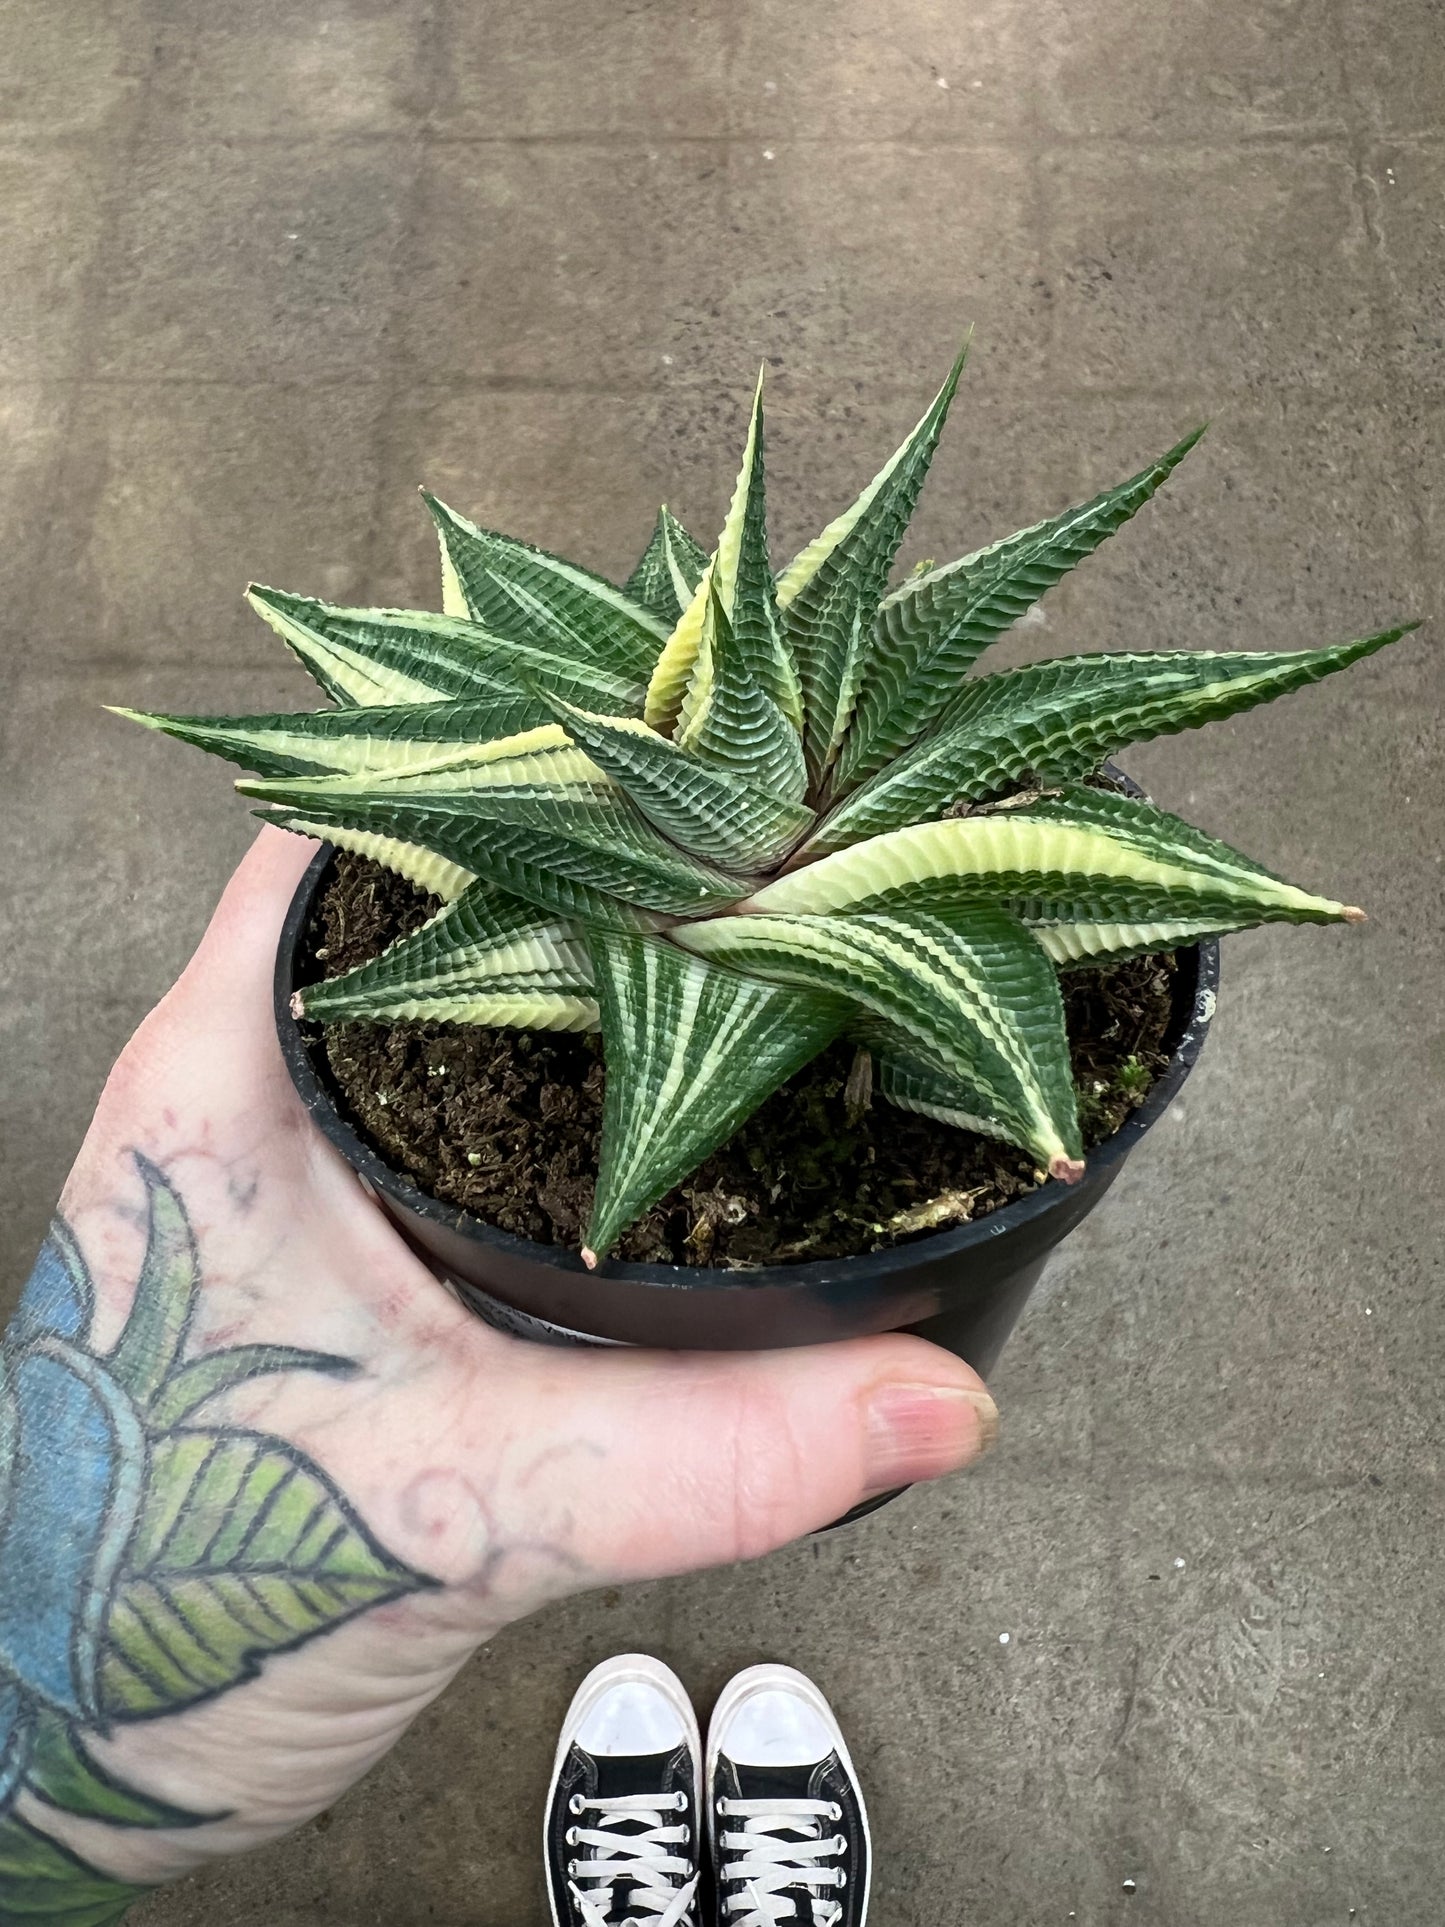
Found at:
(835, 1812)
(842, 1879)
(570, 1836)
(722, 1807)
(576, 1803)
(571, 1869)
(680, 1801)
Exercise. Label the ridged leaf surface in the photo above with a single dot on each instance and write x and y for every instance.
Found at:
(829, 594)
(715, 813)
(486, 959)
(976, 994)
(391, 657)
(691, 1051)
(1057, 720)
(1084, 855)
(668, 570)
(539, 598)
(933, 627)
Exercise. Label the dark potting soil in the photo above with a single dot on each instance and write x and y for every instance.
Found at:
(505, 1123)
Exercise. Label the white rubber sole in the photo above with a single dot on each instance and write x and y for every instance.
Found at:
(625, 1668)
(785, 1679)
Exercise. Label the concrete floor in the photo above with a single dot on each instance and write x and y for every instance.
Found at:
(267, 266)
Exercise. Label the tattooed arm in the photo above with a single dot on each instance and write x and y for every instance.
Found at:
(264, 1486)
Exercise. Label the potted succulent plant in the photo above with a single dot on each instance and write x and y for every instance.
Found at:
(811, 882)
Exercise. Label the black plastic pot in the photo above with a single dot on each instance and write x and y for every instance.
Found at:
(963, 1288)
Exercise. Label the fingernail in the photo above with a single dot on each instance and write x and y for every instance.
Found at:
(918, 1432)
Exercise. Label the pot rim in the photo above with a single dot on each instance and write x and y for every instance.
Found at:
(379, 1176)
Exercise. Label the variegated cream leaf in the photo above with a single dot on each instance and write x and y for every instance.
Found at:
(540, 598)
(691, 1051)
(934, 626)
(413, 861)
(398, 656)
(576, 848)
(725, 684)
(668, 570)
(1078, 945)
(1084, 855)
(745, 656)
(975, 993)
(351, 742)
(829, 595)
(733, 721)
(1057, 720)
(713, 813)
(908, 1079)
(488, 958)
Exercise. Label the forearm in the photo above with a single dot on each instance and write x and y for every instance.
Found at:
(172, 1540)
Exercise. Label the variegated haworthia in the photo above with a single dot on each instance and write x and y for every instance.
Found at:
(726, 813)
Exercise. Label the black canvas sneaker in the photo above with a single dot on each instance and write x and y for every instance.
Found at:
(786, 1822)
(621, 1833)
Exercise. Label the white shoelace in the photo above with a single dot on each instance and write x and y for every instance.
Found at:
(632, 1843)
(771, 1871)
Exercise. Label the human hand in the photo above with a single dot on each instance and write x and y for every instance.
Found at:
(227, 1586)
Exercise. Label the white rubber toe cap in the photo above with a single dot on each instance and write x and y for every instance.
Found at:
(632, 1704)
(631, 1716)
(775, 1722)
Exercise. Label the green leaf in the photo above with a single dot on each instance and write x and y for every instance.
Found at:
(1057, 720)
(155, 1328)
(244, 1549)
(1084, 855)
(418, 865)
(975, 993)
(538, 598)
(830, 593)
(741, 706)
(64, 1775)
(669, 569)
(715, 813)
(486, 959)
(936, 625)
(43, 1884)
(691, 1051)
(190, 1386)
(906, 1078)
(399, 657)
(350, 742)
(596, 858)
(1079, 945)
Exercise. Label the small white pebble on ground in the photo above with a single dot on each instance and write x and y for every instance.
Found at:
(1179, 1565)
(667, 361)
(1130, 1886)
(768, 154)
(1369, 1311)
(770, 86)
(943, 83)
(1003, 1639)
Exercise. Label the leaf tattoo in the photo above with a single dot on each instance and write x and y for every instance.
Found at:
(148, 1560)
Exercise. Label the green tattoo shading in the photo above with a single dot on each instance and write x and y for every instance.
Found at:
(148, 1560)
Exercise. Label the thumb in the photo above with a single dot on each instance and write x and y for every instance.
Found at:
(684, 1459)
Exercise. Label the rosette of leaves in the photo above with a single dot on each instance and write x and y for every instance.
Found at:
(728, 814)
(191, 1551)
